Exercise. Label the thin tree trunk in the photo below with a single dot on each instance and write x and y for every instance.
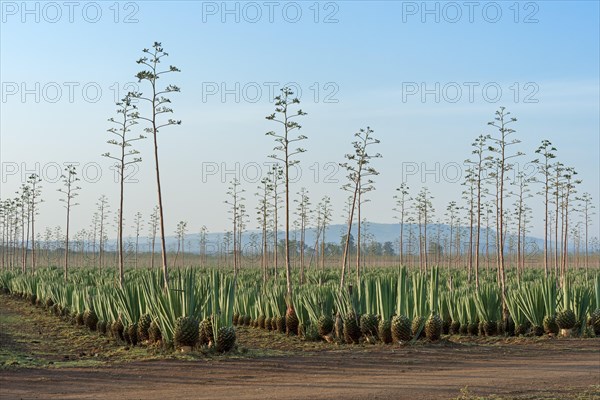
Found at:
(470, 232)
(425, 236)
(101, 249)
(546, 220)
(478, 228)
(323, 252)
(33, 229)
(358, 238)
(566, 230)
(264, 245)
(152, 256)
(288, 270)
(302, 233)
(235, 220)
(121, 196)
(347, 244)
(401, 249)
(275, 238)
(501, 242)
(586, 242)
(556, 223)
(163, 245)
(67, 235)
(23, 249)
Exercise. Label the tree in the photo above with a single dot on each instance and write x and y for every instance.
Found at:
(522, 182)
(425, 211)
(70, 191)
(323, 218)
(359, 171)
(587, 212)
(93, 234)
(501, 146)
(227, 243)
(79, 241)
(242, 215)
(469, 196)
(525, 219)
(158, 102)
(275, 175)
(58, 238)
(35, 190)
(203, 242)
(180, 234)
(102, 215)
(137, 226)
(24, 205)
(264, 188)
(10, 208)
(350, 240)
(153, 226)
(479, 167)
(557, 184)
(388, 249)
(364, 188)
(116, 224)
(126, 157)
(284, 141)
(3, 227)
(545, 169)
(47, 244)
(235, 193)
(401, 200)
(568, 190)
(488, 209)
(451, 213)
(303, 214)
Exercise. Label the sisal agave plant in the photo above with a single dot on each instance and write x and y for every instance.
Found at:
(470, 308)
(345, 304)
(306, 307)
(386, 296)
(420, 305)
(222, 298)
(401, 322)
(488, 303)
(278, 308)
(433, 325)
(549, 294)
(367, 307)
(404, 301)
(318, 302)
(582, 301)
(530, 300)
(182, 299)
(518, 317)
(566, 318)
(455, 312)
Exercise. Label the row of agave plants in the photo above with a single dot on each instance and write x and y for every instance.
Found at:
(387, 305)
(400, 306)
(197, 310)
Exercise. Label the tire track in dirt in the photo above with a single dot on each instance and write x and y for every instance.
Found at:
(558, 368)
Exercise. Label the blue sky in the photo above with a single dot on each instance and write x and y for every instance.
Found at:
(368, 68)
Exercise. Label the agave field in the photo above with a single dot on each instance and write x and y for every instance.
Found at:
(323, 200)
(202, 307)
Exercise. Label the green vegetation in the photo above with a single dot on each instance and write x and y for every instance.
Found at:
(202, 306)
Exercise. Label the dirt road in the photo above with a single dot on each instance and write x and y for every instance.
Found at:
(553, 368)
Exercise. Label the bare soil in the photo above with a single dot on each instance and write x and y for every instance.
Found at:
(42, 357)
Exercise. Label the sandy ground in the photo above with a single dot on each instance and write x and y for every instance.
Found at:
(552, 368)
